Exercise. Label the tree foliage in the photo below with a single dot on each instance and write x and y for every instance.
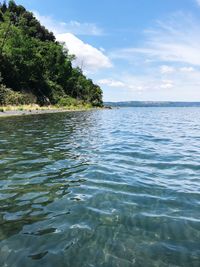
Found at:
(31, 60)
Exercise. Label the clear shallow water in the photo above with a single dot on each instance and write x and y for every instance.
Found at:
(101, 188)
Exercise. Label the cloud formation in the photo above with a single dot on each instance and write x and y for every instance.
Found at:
(198, 2)
(166, 69)
(166, 63)
(167, 84)
(187, 69)
(112, 83)
(175, 40)
(136, 84)
(74, 27)
(89, 58)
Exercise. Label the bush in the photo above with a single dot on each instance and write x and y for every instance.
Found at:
(10, 97)
(57, 92)
(68, 101)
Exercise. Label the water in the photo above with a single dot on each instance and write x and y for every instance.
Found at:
(101, 188)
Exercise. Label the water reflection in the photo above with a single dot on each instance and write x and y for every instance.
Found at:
(39, 164)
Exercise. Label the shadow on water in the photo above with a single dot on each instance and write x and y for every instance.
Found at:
(38, 165)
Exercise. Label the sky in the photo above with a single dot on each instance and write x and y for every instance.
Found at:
(147, 50)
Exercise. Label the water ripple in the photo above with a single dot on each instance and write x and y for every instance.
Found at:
(101, 188)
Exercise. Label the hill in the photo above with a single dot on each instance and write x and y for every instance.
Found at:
(34, 67)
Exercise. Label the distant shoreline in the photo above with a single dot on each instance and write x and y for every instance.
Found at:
(152, 104)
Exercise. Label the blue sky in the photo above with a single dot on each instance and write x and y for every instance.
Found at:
(135, 50)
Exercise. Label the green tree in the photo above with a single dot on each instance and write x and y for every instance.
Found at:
(32, 61)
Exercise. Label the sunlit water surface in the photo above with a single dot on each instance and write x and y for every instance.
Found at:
(101, 188)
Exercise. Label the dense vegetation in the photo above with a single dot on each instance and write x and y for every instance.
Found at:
(35, 66)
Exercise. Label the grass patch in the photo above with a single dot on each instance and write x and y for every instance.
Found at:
(35, 107)
(70, 103)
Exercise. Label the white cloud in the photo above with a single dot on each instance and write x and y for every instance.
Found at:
(175, 40)
(166, 64)
(167, 84)
(138, 83)
(74, 27)
(89, 58)
(111, 83)
(198, 2)
(187, 69)
(166, 69)
(155, 86)
(127, 82)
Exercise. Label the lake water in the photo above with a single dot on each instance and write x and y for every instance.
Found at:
(109, 188)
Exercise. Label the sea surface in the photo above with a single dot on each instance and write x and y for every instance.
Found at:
(104, 188)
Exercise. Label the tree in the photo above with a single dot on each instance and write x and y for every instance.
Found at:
(32, 61)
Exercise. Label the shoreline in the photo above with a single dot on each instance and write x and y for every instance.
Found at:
(15, 113)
